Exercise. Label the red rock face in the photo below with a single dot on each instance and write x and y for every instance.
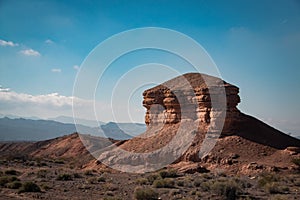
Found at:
(198, 97)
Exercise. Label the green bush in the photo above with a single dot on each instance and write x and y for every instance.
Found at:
(274, 188)
(64, 177)
(197, 182)
(88, 173)
(59, 161)
(7, 179)
(112, 198)
(92, 180)
(42, 173)
(29, 187)
(14, 185)
(145, 194)
(180, 183)
(110, 187)
(267, 179)
(205, 186)
(164, 183)
(228, 189)
(296, 161)
(77, 175)
(46, 187)
(11, 172)
(101, 179)
(168, 174)
(142, 181)
(152, 177)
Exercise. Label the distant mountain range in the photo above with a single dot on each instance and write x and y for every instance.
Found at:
(20, 129)
(70, 120)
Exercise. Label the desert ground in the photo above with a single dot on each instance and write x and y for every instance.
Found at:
(23, 176)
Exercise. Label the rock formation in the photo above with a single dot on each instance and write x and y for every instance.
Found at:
(185, 118)
(193, 96)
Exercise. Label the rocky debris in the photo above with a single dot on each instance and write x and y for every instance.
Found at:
(190, 168)
(199, 97)
(293, 150)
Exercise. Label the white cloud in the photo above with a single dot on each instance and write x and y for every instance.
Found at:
(56, 70)
(76, 67)
(54, 104)
(4, 89)
(8, 43)
(47, 105)
(52, 99)
(48, 41)
(30, 52)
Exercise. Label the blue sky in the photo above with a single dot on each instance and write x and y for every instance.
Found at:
(255, 45)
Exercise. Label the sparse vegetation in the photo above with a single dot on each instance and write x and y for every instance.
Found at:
(228, 189)
(112, 198)
(197, 182)
(11, 172)
(296, 161)
(101, 179)
(168, 174)
(58, 161)
(190, 186)
(64, 177)
(29, 187)
(45, 187)
(152, 177)
(267, 179)
(164, 183)
(145, 194)
(142, 181)
(92, 180)
(180, 183)
(77, 175)
(42, 173)
(14, 185)
(110, 187)
(272, 188)
(7, 179)
(88, 173)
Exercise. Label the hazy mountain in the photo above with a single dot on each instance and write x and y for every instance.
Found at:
(17, 117)
(70, 120)
(133, 129)
(27, 129)
(33, 130)
(112, 130)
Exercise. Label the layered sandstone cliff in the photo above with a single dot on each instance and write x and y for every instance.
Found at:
(193, 96)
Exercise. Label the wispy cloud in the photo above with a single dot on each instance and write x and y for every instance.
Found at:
(4, 89)
(56, 70)
(53, 100)
(76, 67)
(48, 41)
(44, 105)
(55, 104)
(30, 52)
(8, 43)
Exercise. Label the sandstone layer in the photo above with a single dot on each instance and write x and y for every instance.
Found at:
(198, 97)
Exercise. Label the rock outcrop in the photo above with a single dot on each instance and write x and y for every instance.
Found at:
(193, 96)
(185, 118)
